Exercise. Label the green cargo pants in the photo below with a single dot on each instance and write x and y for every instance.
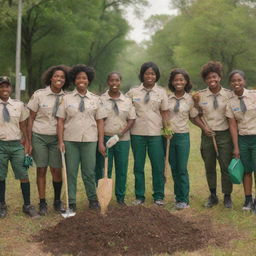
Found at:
(154, 146)
(120, 154)
(84, 153)
(225, 147)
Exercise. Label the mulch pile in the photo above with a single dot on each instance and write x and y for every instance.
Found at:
(134, 230)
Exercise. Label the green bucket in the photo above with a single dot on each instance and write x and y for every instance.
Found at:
(236, 171)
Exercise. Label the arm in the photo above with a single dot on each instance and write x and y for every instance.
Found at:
(60, 132)
(31, 120)
(100, 126)
(198, 122)
(234, 135)
(23, 129)
(165, 118)
(129, 125)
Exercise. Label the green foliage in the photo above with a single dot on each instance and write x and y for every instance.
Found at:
(64, 31)
(222, 30)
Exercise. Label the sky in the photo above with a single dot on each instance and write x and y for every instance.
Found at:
(138, 33)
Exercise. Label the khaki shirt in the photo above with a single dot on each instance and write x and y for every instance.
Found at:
(18, 113)
(149, 120)
(81, 126)
(114, 124)
(215, 118)
(42, 102)
(246, 121)
(180, 120)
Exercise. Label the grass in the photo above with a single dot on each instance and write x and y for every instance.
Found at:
(16, 229)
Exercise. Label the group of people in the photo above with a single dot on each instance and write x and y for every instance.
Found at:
(79, 123)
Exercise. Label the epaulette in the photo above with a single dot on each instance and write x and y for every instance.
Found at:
(225, 89)
(203, 90)
(252, 91)
(39, 90)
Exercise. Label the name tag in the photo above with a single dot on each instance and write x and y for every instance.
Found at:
(236, 109)
(44, 106)
(136, 99)
(204, 103)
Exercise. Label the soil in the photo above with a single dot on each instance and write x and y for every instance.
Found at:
(133, 230)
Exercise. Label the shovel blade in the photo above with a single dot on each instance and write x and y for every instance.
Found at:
(68, 213)
(104, 193)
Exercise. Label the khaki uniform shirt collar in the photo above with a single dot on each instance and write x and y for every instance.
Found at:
(121, 97)
(154, 88)
(220, 92)
(88, 94)
(49, 91)
(9, 101)
(185, 96)
(246, 93)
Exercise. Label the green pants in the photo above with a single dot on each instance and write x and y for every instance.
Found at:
(247, 147)
(84, 153)
(12, 151)
(120, 154)
(225, 147)
(178, 158)
(154, 146)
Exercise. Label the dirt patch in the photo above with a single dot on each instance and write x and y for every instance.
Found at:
(134, 230)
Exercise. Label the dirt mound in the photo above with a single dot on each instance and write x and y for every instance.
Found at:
(134, 230)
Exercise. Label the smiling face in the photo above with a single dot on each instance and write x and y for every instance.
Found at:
(57, 80)
(149, 78)
(5, 91)
(114, 82)
(237, 82)
(81, 82)
(179, 82)
(213, 81)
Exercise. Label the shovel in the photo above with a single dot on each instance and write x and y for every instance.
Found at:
(104, 189)
(68, 213)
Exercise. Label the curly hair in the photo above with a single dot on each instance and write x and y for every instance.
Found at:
(145, 67)
(76, 69)
(48, 74)
(185, 74)
(114, 73)
(211, 66)
(236, 71)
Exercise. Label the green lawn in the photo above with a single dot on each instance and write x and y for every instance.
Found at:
(16, 229)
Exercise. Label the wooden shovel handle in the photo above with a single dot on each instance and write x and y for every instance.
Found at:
(213, 138)
(106, 165)
(64, 178)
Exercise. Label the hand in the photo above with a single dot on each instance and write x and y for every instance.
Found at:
(30, 148)
(27, 148)
(236, 153)
(209, 132)
(102, 148)
(61, 146)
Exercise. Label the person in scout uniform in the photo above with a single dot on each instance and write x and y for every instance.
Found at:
(241, 112)
(181, 106)
(42, 133)
(212, 103)
(80, 126)
(151, 106)
(13, 116)
(120, 118)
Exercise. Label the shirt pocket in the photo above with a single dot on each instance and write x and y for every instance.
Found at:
(155, 104)
(45, 109)
(14, 114)
(72, 110)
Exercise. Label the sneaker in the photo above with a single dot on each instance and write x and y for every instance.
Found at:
(121, 202)
(253, 210)
(227, 201)
(58, 206)
(30, 211)
(212, 200)
(93, 204)
(42, 209)
(159, 202)
(3, 210)
(248, 205)
(138, 202)
(181, 205)
(72, 207)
